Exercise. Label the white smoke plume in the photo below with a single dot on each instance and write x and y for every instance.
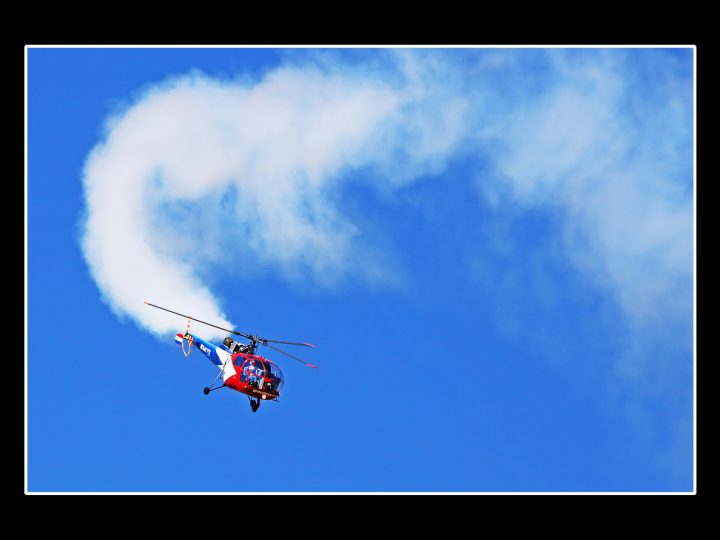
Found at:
(198, 170)
(618, 175)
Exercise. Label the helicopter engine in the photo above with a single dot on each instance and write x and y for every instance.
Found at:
(232, 345)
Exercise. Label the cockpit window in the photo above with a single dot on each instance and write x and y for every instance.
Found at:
(262, 374)
(258, 367)
(274, 378)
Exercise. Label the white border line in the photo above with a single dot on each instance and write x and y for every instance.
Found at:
(171, 46)
(25, 258)
(694, 270)
(693, 47)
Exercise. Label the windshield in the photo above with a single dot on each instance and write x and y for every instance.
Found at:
(262, 374)
(276, 381)
(274, 370)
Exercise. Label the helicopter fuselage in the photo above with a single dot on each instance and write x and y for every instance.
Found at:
(246, 373)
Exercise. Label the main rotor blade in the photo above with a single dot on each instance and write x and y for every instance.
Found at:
(264, 341)
(198, 320)
(290, 355)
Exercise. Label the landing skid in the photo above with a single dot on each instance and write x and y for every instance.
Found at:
(207, 390)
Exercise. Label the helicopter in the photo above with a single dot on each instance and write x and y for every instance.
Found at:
(240, 367)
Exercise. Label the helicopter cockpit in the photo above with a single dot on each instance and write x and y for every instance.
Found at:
(262, 374)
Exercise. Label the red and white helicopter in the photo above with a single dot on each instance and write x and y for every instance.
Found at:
(240, 368)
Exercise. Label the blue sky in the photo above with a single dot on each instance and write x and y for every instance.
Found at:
(492, 249)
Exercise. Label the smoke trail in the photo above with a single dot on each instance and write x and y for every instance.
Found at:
(198, 172)
(197, 165)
